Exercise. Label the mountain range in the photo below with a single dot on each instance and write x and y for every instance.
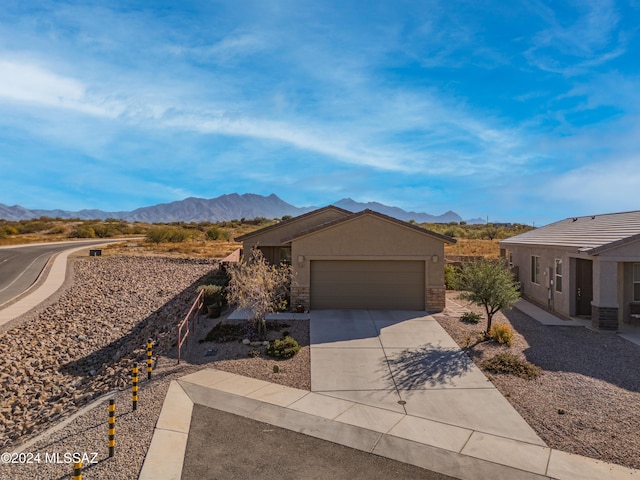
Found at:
(225, 207)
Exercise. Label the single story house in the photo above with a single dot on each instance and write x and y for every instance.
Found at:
(362, 260)
(583, 267)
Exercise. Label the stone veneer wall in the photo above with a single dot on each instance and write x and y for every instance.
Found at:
(435, 299)
(300, 295)
(604, 318)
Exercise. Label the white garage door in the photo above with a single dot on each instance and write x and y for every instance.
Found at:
(370, 284)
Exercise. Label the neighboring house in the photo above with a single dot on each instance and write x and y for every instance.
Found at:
(582, 266)
(356, 260)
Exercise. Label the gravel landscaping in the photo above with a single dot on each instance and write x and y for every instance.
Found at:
(62, 358)
(587, 400)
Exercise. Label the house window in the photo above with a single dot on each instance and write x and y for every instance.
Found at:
(285, 255)
(636, 282)
(559, 275)
(510, 259)
(535, 268)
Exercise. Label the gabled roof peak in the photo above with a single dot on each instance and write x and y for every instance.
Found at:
(372, 213)
(292, 220)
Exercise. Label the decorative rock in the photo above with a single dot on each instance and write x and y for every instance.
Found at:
(246, 341)
(83, 345)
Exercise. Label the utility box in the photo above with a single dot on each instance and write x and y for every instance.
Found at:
(95, 252)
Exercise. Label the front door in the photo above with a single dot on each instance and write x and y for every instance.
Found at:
(584, 286)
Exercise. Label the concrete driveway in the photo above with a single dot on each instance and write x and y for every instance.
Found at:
(405, 362)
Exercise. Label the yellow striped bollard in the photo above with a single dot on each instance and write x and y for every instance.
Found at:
(77, 471)
(134, 387)
(149, 361)
(112, 426)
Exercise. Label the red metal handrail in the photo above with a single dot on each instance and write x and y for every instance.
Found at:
(193, 312)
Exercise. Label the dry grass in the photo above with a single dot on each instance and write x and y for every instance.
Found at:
(197, 246)
(29, 238)
(464, 246)
(188, 249)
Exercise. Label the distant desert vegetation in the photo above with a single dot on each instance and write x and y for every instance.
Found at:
(209, 239)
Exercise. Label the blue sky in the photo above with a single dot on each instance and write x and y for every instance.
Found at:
(519, 111)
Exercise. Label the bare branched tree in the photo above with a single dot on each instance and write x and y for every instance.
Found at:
(259, 287)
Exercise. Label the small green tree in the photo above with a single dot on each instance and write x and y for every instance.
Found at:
(488, 283)
(259, 287)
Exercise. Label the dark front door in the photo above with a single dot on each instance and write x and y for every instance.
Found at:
(584, 286)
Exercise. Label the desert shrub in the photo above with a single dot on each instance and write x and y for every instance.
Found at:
(276, 326)
(83, 231)
(3, 233)
(511, 364)
(470, 317)
(216, 278)
(57, 230)
(213, 295)
(454, 231)
(108, 230)
(216, 233)
(168, 234)
(33, 226)
(286, 347)
(225, 332)
(10, 230)
(501, 333)
(449, 276)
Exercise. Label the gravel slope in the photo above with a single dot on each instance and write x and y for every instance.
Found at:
(83, 345)
(588, 399)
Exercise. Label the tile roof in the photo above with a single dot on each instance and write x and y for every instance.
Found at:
(591, 234)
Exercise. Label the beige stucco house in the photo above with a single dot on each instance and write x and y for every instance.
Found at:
(356, 260)
(582, 266)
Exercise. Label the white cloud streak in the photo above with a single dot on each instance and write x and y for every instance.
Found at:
(573, 49)
(351, 140)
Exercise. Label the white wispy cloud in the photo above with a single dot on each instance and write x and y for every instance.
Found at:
(232, 46)
(352, 140)
(22, 82)
(589, 41)
(612, 186)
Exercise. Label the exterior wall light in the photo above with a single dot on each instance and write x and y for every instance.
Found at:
(434, 258)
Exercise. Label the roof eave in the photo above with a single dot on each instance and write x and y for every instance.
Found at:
(260, 231)
(401, 223)
(613, 245)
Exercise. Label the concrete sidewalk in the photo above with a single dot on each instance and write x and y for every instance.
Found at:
(55, 276)
(389, 383)
(546, 318)
(628, 332)
(436, 446)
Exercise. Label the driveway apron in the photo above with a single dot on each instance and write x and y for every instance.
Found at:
(405, 362)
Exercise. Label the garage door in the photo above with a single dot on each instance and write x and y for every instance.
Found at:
(378, 284)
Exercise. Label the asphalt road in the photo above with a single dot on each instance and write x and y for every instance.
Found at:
(21, 265)
(223, 446)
